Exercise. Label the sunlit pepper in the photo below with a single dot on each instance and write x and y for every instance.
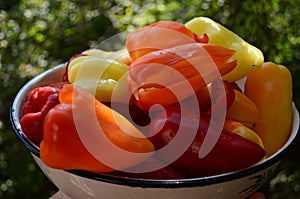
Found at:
(230, 153)
(170, 75)
(73, 139)
(270, 88)
(103, 77)
(248, 57)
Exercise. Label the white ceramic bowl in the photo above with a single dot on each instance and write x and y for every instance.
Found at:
(85, 185)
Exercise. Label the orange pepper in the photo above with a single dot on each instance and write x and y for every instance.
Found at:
(164, 52)
(158, 76)
(160, 35)
(270, 88)
(73, 141)
(243, 110)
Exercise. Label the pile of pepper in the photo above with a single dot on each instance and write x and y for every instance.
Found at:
(165, 87)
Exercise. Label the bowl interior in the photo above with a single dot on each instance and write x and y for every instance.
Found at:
(55, 75)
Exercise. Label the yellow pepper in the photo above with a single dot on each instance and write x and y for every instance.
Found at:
(103, 77)
(120, 55)
(243, 131)
(270, 88)
(249, 58)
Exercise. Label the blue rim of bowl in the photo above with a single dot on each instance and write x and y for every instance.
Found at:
(149, 183)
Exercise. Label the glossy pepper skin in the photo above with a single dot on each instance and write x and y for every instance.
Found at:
(231, 152)
(37, 104)
(249, 58)
(170, 75)
(104, 77)
(270, 88)
(72, 140)
(62, 148)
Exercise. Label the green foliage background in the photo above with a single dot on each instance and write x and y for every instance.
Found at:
(36, 35)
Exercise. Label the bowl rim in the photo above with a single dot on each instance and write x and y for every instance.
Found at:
(148, 183)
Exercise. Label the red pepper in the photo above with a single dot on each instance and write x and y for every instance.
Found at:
(37, 98)
(230, 153)
(37, 104)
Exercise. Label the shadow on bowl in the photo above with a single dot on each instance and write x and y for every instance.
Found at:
(83, 184)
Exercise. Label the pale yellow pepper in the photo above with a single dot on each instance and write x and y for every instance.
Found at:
(121, 55)
(249, 58)
(103, 77)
